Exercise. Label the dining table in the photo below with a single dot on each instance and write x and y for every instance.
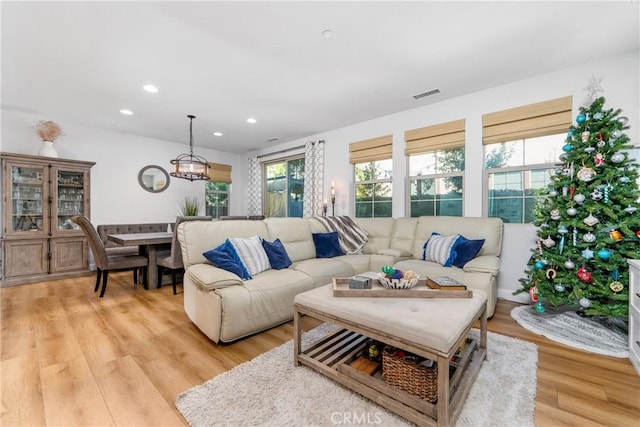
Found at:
(148, 244)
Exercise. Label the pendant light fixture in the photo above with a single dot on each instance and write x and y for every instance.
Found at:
(188, 166)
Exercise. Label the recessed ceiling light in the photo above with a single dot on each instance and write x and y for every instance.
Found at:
(150, 88)
(327, 34)
(126, 112)
(217, 133)
(251, 120)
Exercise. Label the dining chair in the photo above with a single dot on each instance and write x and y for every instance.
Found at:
(173, 262)
(104, 262)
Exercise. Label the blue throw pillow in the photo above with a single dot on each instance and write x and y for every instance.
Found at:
(327, 245)
(277, 254)
(226, 258)
(466, 250)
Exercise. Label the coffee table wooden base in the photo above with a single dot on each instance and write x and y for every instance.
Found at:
(332, 355)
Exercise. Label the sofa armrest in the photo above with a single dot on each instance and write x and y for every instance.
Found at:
(483, 264)
(209, 277)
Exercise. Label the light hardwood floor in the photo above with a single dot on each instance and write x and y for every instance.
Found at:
(71, 358)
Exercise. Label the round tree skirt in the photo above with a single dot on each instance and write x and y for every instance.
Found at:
(575, 331)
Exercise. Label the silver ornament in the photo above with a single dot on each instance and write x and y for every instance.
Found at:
(559, 287)
(617, 158)
(591, 220)
(572, 211)
(585, 302)
(589, 237)
(553, 193)
(569, 265)
(579, 198)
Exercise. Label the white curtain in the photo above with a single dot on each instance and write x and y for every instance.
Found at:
(254, 192)
(313, 178)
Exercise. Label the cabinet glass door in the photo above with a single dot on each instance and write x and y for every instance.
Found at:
(27, 200)
(70, 187)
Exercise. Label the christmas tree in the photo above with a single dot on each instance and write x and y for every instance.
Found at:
(587, 220)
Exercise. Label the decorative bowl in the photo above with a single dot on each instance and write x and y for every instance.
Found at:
(397, 283)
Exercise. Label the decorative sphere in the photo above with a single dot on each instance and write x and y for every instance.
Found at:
(617, 158)
(398, 274)
(585, 302)
(566, 148)
(570, 133)
(604, 254)
(569, 265)
(579, 198)
(387, 269)
(581, 118)
(553, 193)
(572, 211)
(559, 287)
(598, 116)
(540, 307)
(539, 265)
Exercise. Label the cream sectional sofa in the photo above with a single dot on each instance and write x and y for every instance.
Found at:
(226, 308)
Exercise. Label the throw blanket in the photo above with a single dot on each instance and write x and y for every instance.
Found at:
(352, 237)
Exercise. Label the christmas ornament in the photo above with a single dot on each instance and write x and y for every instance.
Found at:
(601, 142)
(589, 237)
(555, 214)
(604, 254)
(586, 174)
(540, 246)
(616, 286)
(572, 211)
(616, 134)
(615, 235)
(596, 195)
(539, 306)
(585, 302)
(551, 274)
(599, 159)
(598, 115)
(579, 198)
(630, 209)
(589, 150)
(624, 179)
(607, 189)
(553, 193)
(585, 136)
(562, 229)
(617, 158)
(565, 191)
(549, 242)
(567, 147)
(581, 118)
(561, 245)
(638, 233)
(623, 120)
(539, 265)
(559, 287)
(569, 265)
(584, 275)
(591, 220)
(533, 292)
(575, 236)
(587, 253)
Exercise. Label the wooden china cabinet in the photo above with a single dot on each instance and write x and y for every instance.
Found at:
(40, 195)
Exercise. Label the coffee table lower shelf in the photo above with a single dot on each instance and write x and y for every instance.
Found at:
(333, 354)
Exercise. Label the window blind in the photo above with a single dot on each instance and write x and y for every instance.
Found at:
(444, 136)
(370, 150)
(529, 121)
(219, 173)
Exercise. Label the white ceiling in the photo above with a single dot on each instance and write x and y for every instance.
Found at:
(227, 61)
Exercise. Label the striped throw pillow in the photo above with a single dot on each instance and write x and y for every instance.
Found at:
(251, 254)
(441, 249)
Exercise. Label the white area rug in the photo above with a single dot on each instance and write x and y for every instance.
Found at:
(270, 391)
(574, 331)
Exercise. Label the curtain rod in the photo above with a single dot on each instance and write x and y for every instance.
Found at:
(288, 149)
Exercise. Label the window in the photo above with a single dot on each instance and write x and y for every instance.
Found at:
(516, 171)
(284, 187)
(436, 168)
(217, 190)
(522, 145)
(217, 198)
(373, 189)
(436, 183)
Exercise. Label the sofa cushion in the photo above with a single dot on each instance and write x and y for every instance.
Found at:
(466, 250)
(251, 253)
(360, 263)
(323, 270)
(327, 245)
(295, 235)
(207, 276)
(277, 254)
(379, 232)
(441, 249)
(404, 233)
(223, 259)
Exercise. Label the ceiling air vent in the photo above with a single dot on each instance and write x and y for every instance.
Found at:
(427, 93)
(274, 139)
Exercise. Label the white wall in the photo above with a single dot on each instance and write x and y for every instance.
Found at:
(116, 196)
(621, 90)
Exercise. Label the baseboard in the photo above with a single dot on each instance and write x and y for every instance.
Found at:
(507, 294)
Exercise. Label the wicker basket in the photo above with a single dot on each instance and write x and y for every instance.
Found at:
(410, 376)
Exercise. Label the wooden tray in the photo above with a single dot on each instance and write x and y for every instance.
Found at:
(421, 290)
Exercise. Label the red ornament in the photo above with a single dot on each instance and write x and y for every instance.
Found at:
(584, 275)
(638, 233)
(533, 292)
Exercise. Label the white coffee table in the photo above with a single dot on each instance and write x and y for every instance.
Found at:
(433, 328)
